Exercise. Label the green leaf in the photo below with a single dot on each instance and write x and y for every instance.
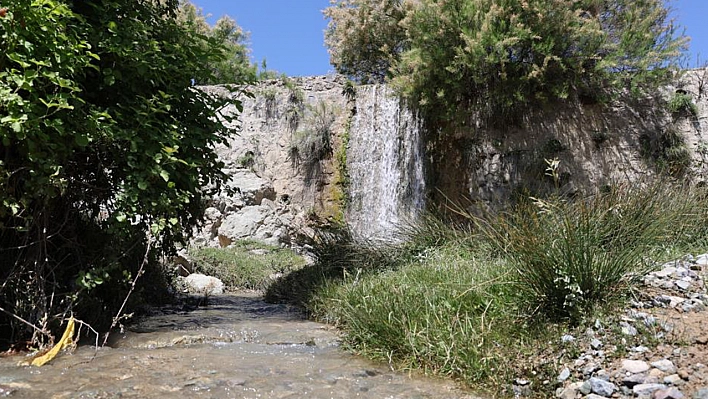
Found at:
(81, 141)
(165, 176)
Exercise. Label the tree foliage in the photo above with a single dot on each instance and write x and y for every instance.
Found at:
(103, 142)
(364, 37)
(501, 57)
(235, 66)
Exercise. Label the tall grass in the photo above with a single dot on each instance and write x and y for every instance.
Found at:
(570, 256)
(458, 299)
(440, 313)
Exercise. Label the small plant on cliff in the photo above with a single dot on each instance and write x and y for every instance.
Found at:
(271, 104)
(668, 152)
(681, 104)
(296, 105)
(313, 145)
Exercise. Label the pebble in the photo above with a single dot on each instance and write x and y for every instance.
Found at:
(635, 366)
(567, 338)
(628, 329)
(671, 393)
(585, 388)
(596, 344)
(569, 392)
(665, 365)
(701, 394)
(673, 379)
(684, 374)
(564, 375)
(634, 379)
(602, 387)
(647, 389)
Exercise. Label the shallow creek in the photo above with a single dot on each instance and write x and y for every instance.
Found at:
(236, 347)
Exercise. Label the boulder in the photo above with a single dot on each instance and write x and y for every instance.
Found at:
(244, 223)
(252, 189)
(201, 284)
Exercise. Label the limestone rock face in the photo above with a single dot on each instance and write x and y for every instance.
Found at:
(274, 182)
(290, 132)
(244, 223)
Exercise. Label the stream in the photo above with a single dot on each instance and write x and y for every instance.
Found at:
(238, 346)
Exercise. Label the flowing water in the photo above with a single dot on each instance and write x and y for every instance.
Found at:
(236, 347)
(385, 164)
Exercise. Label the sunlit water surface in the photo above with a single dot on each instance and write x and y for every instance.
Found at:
(237, 347)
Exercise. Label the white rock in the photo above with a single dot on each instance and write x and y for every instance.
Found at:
(665, 365)
(202, 284)
(634, 366)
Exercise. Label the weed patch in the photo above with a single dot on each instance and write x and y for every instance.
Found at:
(246, 264)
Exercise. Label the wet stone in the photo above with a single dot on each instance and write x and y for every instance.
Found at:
(6, 390)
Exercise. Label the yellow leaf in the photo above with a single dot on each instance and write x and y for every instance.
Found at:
(66, 340)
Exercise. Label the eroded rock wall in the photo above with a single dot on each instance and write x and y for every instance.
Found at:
(287, 174)
(281, 163)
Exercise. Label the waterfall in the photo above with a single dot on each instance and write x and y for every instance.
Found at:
(385, 164)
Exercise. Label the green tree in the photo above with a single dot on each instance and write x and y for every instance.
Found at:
(106, 149)
(365, 37)
(498, 58)
(235, 66)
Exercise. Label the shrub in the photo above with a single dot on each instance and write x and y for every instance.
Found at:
(106, 148)
(573, 256)
(497, 59)
(682, 104)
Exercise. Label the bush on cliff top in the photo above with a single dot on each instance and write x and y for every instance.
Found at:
(498, 58)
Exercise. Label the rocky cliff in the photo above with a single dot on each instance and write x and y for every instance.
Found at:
(317, 150)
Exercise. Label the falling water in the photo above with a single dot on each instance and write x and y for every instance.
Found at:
(385, 164)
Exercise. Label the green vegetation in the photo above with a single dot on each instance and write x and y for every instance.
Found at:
(474, 300)
(246, 264)
(234, 66)
(681, 104)
(497, 59)
(667, 152)
(106, 153)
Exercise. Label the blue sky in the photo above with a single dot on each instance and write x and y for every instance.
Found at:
(289, 33)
